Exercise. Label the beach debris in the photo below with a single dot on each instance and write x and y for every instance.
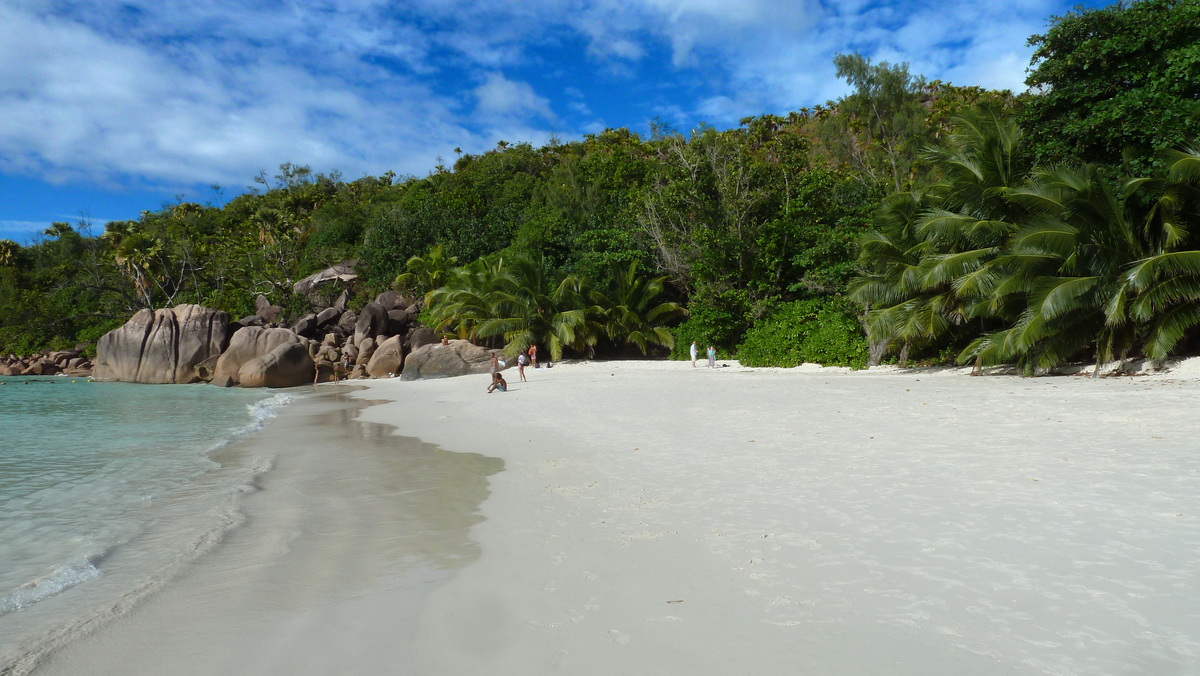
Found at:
(676, 601)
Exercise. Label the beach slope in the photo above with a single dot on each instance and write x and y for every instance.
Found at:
(653, 518)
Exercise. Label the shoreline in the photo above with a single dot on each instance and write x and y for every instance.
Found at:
(654, 519)
(645, 517)
(338, 541)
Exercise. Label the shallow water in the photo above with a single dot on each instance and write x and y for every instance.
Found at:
(105, 485)
(336, 547)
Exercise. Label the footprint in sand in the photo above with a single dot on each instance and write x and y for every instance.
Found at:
(591, 604)
(618, 637)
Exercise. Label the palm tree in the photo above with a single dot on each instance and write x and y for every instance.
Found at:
(929, 267)
(57, 229)
(891, 284)
(631, 313)
(1166, 285)
(518, 302)
(1070, 262)
(8, 252)
(136, 253)
(425, 274)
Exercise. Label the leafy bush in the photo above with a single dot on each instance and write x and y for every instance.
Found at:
(707, 325)
(821, 331)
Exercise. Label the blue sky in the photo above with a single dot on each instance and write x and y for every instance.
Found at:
(109, 108)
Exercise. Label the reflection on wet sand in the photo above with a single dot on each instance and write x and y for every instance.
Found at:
(341, 540)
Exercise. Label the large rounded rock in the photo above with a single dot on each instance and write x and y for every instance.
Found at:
(325, 284)
(365, 349)
(42, 367)
(287, 365)
(386, 360)
(306, 326)
(328, 316)
(372, 321)
(163, 346)
(249, 343)
(422, 335)
(459, 358)
(391, 300)
(269, 313)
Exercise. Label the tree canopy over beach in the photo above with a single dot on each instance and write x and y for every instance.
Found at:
(940, 222)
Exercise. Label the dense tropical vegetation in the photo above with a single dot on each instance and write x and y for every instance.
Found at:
(910, 219)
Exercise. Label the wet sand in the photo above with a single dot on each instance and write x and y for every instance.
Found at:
(337, 546)
(657, 519)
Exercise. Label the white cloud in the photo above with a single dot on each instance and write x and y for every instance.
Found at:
(81, 104)
(179, 92)
(501, 97)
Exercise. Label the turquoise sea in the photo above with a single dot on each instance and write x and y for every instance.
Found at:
(104, 488)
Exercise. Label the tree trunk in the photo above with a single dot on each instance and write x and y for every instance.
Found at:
(904, 356)
(876, 349)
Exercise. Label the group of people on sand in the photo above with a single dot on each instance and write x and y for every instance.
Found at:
(524, 358)
(712, 356)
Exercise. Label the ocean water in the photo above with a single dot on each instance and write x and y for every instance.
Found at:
(105, 488)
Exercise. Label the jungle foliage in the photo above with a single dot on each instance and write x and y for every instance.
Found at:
(1054, 225)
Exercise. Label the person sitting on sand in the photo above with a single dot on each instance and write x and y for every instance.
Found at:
(498, 383)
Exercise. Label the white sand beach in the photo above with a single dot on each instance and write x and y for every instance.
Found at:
(658, 519)
(652, 518)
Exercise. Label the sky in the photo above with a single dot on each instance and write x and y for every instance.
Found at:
(109, 108)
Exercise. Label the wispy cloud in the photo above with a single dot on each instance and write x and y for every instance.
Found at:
(180, 92)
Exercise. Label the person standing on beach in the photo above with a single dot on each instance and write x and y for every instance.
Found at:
(533, 355)
(521, 365)
(712, 357)
(693, 352)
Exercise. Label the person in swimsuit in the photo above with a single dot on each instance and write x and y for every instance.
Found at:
(521, 366)
(498, 383)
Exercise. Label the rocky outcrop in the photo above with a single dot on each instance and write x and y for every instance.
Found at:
(263, 308)
(47, 363)
(372, 321)
(306, 326)
(316, 283)
(162, 346)
(288, 365)
(328, 316)
(41, 367)
(387, 358)
(420, 336)
(459, 358)
(365, 349)
(248, 344)
(391, 300)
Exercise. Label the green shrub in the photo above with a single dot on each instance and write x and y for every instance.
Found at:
(821, 331)
(707, 326)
